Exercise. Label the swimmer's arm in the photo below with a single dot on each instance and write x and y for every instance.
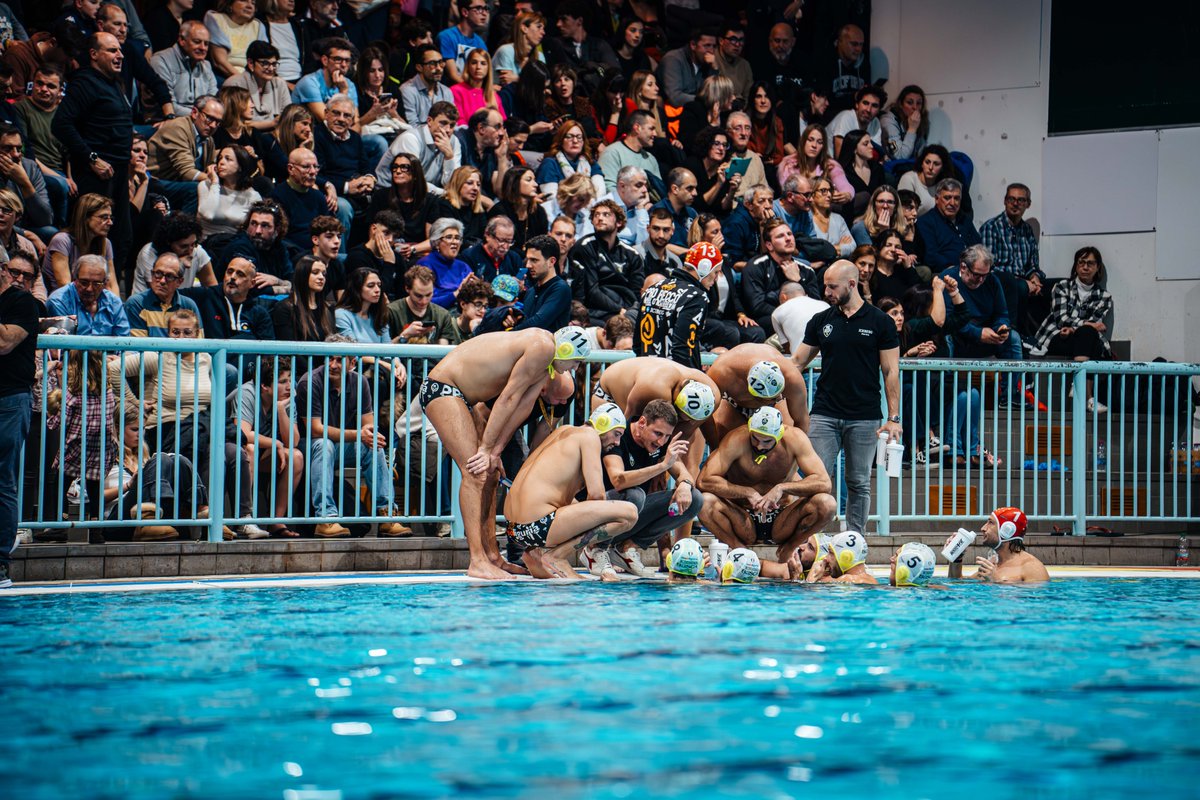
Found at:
(516, 400)
(796, 396)
(593, 469)
(623, 479)
(816, 480)
(712, 479)
(641, 393)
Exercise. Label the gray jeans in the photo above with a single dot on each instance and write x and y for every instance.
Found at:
(857, 437)
(653, 520)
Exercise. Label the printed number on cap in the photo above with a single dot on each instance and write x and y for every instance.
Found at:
(913, 562)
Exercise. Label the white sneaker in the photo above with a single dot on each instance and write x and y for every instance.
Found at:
(596, 560)
(250, 531)
(631, 562)
(1095, 407)
(24, 536)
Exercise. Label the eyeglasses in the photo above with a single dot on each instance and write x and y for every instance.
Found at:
(402, 167)
(91, 284)
(339, 59)
(165, 277)
(1017, 201)
(7, 210)
(574, 137)
(480, 304)
(20, 274)
(441, 62)
(722, 145)
(268, 64)
(805, 195)
(735, 39)
(826, 190)
(211, 118)
(306, 167)
(882, 202)
(477, 8)
(451, 237)
(1088, 262)
(507, 241)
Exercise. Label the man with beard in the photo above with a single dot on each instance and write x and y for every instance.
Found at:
(782, 66)
(228, 311)
(765, 484)
(607, 273)
(855, 341)
(260, 241)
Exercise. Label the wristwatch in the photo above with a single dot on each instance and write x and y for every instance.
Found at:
(894, 418)
(93, 157)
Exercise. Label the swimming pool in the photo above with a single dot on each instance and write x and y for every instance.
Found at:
(634, 690)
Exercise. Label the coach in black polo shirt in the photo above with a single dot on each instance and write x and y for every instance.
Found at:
(856, 341)
(18, 345)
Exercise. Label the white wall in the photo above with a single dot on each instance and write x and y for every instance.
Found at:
(1002, 127)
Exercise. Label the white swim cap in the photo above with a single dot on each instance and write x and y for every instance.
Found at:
(686, 558)
(914, 564)
(696, 399)
(571, 344)
(850, 549)
(606, 417)
(767, 421)
(765, 379)
(741, 566)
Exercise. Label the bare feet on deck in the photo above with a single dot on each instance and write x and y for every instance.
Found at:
(488, 571)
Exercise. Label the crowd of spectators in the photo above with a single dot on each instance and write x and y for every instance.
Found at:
(319, 172)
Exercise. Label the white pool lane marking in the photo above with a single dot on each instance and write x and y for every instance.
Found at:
(410, 578)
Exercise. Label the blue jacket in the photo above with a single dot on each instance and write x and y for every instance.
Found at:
(341, 161)
(547, 307)
(943, 240)
(483, 265)
(253, 317)
(986, 305)
(741, 236)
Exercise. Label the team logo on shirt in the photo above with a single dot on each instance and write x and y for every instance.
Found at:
(647, 330)
(827, 331)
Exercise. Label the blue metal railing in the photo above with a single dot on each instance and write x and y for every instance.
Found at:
(1055, 459)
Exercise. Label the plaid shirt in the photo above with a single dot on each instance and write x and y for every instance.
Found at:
(97, 417)
(1014, 247)
(1071, 309)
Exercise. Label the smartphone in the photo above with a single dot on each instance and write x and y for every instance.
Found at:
(386, 96)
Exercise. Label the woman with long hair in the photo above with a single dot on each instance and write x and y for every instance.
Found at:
(521, 202)
(862, 171)
(812, 160)
(376, 114)
(463, 201)
(864, 257)
(87, 235)
(906, 123)
(408, 196)
(643, 94)
(766, 134)
(630, 46)
(225, 195)
(608, 106)
(526, 99)
(570, 153)
(362, 312)
(714, 190)
(476, 90)
(882, 213)
(827, 223)
(235, 123)
(295, 129)
(710, 108)
(893, 276)
(306, 315)
(525, 43)
(565, 103)
(933, 164)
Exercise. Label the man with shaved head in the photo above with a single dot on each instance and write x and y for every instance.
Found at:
(856, 341)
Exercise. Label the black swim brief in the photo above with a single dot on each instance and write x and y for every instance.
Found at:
(431, 390)
(531, 535)
(602, 395)
(745, 412)
(763, 525)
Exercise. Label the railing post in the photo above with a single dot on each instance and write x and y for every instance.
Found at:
(457, 531)
(1079, 452)
(216, 449)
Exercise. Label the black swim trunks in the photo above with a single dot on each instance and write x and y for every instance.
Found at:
(602, 395)
(745, 412)
(763, 525)
(431, 390)
(531, 535)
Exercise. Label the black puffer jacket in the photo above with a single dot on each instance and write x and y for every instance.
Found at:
(605, 280)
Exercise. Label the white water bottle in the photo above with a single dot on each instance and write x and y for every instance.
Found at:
(881, 450)
(958, 545)
(717, 553)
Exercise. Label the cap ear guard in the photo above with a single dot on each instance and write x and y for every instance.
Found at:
(1007, 530)
(727, 572)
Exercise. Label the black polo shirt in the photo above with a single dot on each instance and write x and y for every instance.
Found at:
(18, 307)
(848, 386)
(633, 455)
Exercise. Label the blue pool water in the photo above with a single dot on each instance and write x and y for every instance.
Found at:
(1083, 688)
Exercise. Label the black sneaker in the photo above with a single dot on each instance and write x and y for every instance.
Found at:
(5, 581)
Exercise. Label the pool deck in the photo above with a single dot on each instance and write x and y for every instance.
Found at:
(45, 563)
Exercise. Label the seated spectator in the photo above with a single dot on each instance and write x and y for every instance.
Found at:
(362, 312)
(794, 206)
(149, 310)
(864, 116)
(443, 260)
(481, 144)
(790, 319)
(906, 124)
(547, 301)
(933, 165)
(88, 235)
(178, 233)
(302, 202)
(569, 154)
(565, 102)
(944, 232)
(882, 213)
(285, 35)
(657, 257)
(476, 90)
(813, 161)
(227, 192)
(295, 129)
(463, 201)
(738, 128)
(21, 174)
(574, 46)
(14, 245)
(741, 228)
(432, 143)
(232, 28)
(319, 25)
(633, 150)
(682, 70)
(414, 317)
(317, 87)
(906, 224)
(715, 190)
(863, 257)
(988, 333)
(827, 224)
(607, 274)
(235, 120)
(346, 160)
(473, 300)
(378, 109)
(562, 230)
(519, 202)
(893, 276)
(269, 92)
(629, 44)
(726, 325)
(494, 255)
(525, 43)
(1015, 247)
(265, 416)
(185, 68)
(845, 71)
(36, 113)
(83, 407)
(767, 138)
(572, 199)
(632, 194)
(182, 149)
(380, 252)
(1075, 328)
(681, 193)
(709, 108)
(337, 418)
(327, 234)
(408, 195)
(228, 310)
(307, 313)
(457, 41)
(420, 93)
(260, 240)
(862, 171)
(765, 275)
